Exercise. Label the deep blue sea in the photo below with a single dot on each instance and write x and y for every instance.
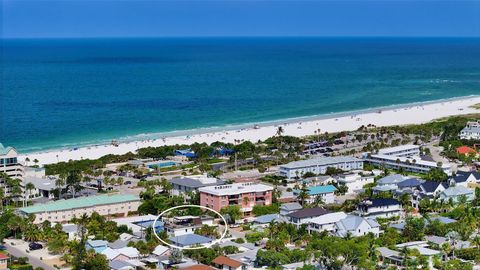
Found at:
(64, 93)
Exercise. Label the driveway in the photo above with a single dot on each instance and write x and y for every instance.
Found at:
(18, 250)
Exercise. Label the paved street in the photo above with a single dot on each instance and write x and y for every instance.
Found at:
(19, 252)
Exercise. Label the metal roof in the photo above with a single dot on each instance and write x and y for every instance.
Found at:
(82, 202)
(320, 161)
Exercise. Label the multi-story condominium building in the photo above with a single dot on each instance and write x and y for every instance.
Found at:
(319, 166)
(407, 150)
(65, 210)
(10, 166)
(384, 208)
(411, 164)
(471, 131)
(354, 181)
(183, 185)
(245, 195)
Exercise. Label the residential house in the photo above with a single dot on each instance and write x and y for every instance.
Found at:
(120, 265)
(71, 230)
(455, 194)
(356, 226)
(4, 261)
(471, 131)
(265, 220)
(354, 181)
(122, 254)
(188, 240)
(467, 151)
(465, 179)
(97, 245)
(384, 208)
(304, 216)
(288, 208)
(325, 222)
(325, 193)
(432, 188)
(225, 263)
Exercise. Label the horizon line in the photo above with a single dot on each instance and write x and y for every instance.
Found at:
(244, 36)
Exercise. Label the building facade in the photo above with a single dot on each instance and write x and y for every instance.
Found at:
(319, 166)
(354, 181)
(245, 195)
(407, 150)
(65, 210)
(471, 131)
(10, 166)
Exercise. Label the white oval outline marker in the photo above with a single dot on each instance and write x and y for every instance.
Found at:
(190, 248)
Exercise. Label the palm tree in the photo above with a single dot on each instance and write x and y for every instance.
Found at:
(280, 131)
(2, 197)
(35, 161)
(26, 161)
(29, 186)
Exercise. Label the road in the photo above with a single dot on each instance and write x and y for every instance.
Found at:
(35, 262)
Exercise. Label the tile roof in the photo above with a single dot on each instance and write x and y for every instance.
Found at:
(463, 150)
(308, 212)
(83, 202)
(198, 267)
(222, 260)
(3, 256)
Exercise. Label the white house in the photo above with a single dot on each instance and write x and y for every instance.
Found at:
(471, 131)
(304, 216)
(384, 208)
(354, 181)
(325, 222)
(465, 179)
(356, 226)
(410, 164)
(455, 194)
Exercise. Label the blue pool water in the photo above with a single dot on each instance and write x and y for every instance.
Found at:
(72, 92)
(163, 164)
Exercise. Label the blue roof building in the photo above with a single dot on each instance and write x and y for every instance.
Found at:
(326, 192)
(97, 245)
(186, 153)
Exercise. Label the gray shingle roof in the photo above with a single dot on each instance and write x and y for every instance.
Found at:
(194, 183)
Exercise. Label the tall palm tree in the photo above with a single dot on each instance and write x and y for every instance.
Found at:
(29, 187)
(2, 197)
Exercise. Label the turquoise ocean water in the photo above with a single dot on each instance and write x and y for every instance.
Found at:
(71, 92)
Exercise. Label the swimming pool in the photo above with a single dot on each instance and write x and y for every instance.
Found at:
(163, 164)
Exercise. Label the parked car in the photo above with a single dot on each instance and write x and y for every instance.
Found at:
(127, 183)
(35, 246)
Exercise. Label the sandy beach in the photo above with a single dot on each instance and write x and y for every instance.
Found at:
(401, 115)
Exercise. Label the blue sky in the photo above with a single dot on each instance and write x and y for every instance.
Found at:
(127, 18)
